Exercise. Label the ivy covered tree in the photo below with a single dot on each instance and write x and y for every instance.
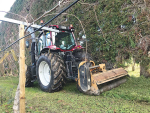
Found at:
(113, 28)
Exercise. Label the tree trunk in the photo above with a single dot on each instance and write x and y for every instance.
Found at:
(144, 71)
(133, 65)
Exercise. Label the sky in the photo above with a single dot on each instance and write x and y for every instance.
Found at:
(5, 5)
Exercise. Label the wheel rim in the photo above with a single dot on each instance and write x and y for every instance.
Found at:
(44, 73)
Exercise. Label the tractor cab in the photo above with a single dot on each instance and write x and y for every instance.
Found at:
(62, 40)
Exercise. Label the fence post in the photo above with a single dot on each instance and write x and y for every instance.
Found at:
(22, 69)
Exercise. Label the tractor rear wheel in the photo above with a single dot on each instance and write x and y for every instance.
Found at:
(51, 72)
(28, 77)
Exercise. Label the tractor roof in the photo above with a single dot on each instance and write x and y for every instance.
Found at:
(63, 28)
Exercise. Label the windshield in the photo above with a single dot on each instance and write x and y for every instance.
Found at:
(64, 40)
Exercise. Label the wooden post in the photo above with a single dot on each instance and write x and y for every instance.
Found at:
(22, 70)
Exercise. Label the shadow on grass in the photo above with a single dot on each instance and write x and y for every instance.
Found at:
(135, 89)
(69, 87)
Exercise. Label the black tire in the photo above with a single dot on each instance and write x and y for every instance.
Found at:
(57, 69)
(28, 77)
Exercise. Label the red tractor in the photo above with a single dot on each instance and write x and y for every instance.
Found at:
(56, 57)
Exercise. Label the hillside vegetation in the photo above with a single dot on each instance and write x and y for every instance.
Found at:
(116, 31)
(113, 28)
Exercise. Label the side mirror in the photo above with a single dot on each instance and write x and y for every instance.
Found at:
(27, 44)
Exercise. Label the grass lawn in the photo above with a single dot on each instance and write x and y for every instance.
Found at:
(131, 97)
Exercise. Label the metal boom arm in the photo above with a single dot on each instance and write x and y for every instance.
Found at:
(27, 24)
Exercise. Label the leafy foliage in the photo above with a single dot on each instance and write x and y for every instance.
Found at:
(112, 26)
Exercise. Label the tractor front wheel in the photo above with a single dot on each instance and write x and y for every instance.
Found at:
(51, 72)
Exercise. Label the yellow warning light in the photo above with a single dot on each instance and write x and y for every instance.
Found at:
(41, 21)
(71, 25)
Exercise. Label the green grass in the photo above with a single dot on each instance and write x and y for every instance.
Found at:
(135, 73)
(131, 97)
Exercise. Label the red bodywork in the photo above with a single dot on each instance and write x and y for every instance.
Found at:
(56, 48)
